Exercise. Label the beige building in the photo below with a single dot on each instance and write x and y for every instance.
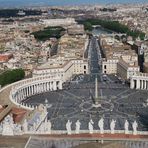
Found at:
(58, 22)
(109, 66)
(126, 70)
(119, 59)
(69, 59)
(75, 29)
(139, 81)
(145, 67)
(63, 69)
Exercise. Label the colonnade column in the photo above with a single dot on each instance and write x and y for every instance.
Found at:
(60, 84)
(44, 86)
(131, 84)
(29, 92)
(32, 89)
(145, 84)
(20, 92)
(23, 93)
(51, 86)
(36, 87)
(48, 86)
(41, 87)
(16, 96)
(137, 84)
(141, 84)
(54, 85)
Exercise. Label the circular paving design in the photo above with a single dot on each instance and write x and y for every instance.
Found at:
(89, 107)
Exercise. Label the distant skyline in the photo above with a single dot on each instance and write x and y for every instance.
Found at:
(17, 3)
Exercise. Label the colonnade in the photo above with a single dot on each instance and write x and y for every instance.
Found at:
(139, 82)
(32, 89)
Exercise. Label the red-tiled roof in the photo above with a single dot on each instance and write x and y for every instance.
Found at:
(18, 114)
(18, 111)
(1, 109)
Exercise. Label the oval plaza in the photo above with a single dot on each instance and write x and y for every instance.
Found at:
(72, 97)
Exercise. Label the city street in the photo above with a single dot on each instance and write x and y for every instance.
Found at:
(93, 57)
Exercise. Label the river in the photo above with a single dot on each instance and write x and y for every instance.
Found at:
(100, 30)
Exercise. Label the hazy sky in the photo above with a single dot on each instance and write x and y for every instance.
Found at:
(64, 2)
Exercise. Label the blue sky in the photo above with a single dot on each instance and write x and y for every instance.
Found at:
(64, 2)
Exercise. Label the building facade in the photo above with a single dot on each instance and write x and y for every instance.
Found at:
(139, 81)
(58, 22)
(125, 70)
(64, 70)
(109, 66)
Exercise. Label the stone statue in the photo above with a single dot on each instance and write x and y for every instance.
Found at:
(45, 124)
(41, 130)
(8, 126)
(34, 126)
(126, 125)
(25, 126)
(1, 128)
(135, 126)
(31, 129)
(17, 130)
(49, 127)
(101, 125)
(20, 129)
(11, 120)
(112, 126)
(90, 126)
(38, 121)
(68, 127)
(78, 124)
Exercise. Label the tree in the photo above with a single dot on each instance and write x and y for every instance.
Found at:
(114, 26)
(48, 32)
(11, 76)
(88, 26)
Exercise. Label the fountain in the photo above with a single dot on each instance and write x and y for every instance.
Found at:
(47, 104)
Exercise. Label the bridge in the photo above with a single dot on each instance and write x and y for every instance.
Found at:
(117, 34)
(95, 26)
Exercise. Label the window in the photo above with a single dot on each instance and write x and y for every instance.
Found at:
(104, 66)
(84, 66)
